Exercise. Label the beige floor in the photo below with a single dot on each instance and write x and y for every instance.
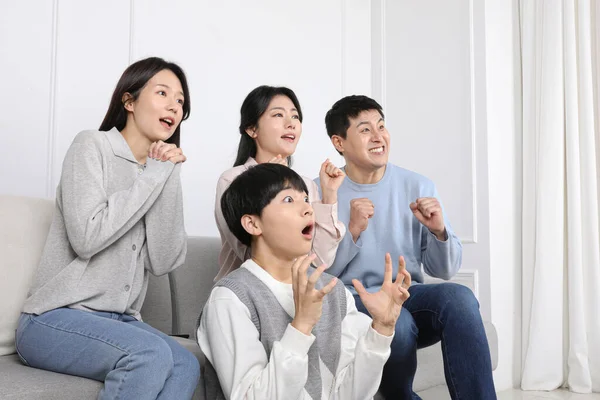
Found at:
(441, 393)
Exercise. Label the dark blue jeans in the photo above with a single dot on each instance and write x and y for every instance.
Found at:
(448, 312)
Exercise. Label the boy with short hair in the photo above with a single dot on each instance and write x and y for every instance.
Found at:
(277, 328)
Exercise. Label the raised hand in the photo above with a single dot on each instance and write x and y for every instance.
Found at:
(279, 160)
(331, 178)
(166, 152)
(385, 305)
(308, 301)
(360, 211)
(428, 211)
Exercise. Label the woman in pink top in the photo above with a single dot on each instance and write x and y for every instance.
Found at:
(270, 128)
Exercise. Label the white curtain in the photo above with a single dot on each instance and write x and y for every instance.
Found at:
(561, 244)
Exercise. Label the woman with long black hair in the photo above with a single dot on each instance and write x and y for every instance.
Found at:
(118, 217)
(270, 128)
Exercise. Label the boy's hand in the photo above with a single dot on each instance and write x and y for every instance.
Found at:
(307, 299)
(385, 305)
(331, 178)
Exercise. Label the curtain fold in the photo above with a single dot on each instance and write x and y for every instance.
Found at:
(561, 242)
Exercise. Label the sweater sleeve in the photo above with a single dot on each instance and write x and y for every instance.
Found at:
(346, 252)
(441, 259)
(231, 343)
(364, 353)
(93, 219)
(166, 239)
(329, 230)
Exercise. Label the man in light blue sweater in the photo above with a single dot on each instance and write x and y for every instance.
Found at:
(390, 209)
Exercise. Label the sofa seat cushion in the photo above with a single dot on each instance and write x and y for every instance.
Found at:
(18, 381)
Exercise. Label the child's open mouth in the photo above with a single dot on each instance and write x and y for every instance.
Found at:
(308, 230)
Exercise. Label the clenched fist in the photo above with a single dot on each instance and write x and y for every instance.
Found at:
(360, 211)
(428, 211)
(331, 178)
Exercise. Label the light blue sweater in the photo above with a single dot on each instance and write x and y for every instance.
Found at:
(394, 229)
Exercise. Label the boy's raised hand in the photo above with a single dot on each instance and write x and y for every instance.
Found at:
(385, 305)
(307, 299)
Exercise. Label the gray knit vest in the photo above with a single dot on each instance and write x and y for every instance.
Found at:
(271, 321)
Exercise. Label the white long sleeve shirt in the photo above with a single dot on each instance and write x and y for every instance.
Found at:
(231, 343)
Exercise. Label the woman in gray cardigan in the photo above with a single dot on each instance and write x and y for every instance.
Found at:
(119, 217)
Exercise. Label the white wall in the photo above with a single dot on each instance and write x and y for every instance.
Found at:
(429, 73)
(424, 61)
(62, 59)
(505, 177)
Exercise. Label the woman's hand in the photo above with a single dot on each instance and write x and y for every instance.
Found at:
(331, 178)
(166, 152)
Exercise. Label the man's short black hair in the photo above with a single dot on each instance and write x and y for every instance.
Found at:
(337, 120)
(252, 191)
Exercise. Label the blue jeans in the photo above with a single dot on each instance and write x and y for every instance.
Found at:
(134, 360)
(448, 312)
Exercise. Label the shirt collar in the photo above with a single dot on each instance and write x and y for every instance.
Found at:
(119, 145)
(250, 162)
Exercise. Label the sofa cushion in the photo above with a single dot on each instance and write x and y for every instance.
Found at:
(18, 381)
(191, 283)
(24, 225)
(156, 310)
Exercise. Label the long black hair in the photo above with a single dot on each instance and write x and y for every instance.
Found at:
(133, 80)
(253, 107)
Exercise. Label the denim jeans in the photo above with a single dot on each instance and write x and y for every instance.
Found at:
(448, 312)
(134, 360)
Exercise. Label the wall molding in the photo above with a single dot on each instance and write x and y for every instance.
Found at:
(378, 51)
(343, 48)
(52, 123)
(379, 79)
(131, 30)
(472, 239)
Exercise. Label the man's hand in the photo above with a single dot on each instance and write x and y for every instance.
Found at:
(360, 211)
(429, 213)
(308, 301)
(385, 305)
